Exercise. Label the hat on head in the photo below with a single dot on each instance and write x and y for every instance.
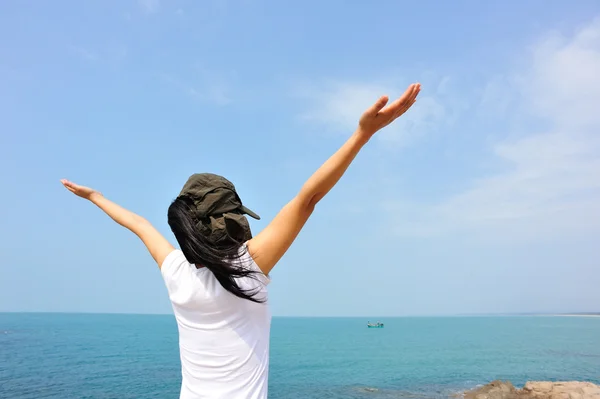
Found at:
(218, 209)
(214, 195)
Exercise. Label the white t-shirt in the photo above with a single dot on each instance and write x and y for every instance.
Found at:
(223, 339)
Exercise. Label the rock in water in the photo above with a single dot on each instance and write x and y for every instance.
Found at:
(562, 390)
(536, 390)
(493, 390)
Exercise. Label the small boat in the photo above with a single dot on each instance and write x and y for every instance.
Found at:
(374, 325)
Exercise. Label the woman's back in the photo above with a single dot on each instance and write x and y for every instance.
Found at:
(221, 309)
(223, 339)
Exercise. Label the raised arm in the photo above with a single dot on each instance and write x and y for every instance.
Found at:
(272, 243)
(158, 246)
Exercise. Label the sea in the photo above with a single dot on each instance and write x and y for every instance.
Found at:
(136, 356)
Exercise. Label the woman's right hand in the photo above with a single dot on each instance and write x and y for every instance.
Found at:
(80, 191)
(379, 116)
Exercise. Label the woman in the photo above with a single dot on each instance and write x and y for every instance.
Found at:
(217, 280)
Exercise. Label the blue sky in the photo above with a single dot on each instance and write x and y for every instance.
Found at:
(484, 198)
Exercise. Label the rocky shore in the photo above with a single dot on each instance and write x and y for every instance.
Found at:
(536, 390)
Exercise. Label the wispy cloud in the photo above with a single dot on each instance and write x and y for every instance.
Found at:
(564, 84)
(549, 181)
(339, 104)
(149, 6)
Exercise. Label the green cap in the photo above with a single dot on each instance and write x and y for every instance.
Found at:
(218, 209)
(214, 195)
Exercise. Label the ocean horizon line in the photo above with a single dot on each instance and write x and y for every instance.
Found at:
(373, 317)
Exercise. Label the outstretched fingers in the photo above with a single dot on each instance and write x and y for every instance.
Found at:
(405, 107)
(68, 184)
(378, 106)
(72, 187)
(403, 103)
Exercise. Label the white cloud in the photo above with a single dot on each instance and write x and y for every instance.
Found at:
(149, 6)
(565, 84)
(550, 181)
(339, 105)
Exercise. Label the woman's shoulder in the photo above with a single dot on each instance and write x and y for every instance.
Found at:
(173, 261)
(247, 261)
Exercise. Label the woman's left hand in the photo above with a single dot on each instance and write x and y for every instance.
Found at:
(80, 191)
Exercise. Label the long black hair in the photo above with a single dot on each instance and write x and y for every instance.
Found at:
(220, 258)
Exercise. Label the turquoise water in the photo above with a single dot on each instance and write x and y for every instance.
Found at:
(135, 356)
